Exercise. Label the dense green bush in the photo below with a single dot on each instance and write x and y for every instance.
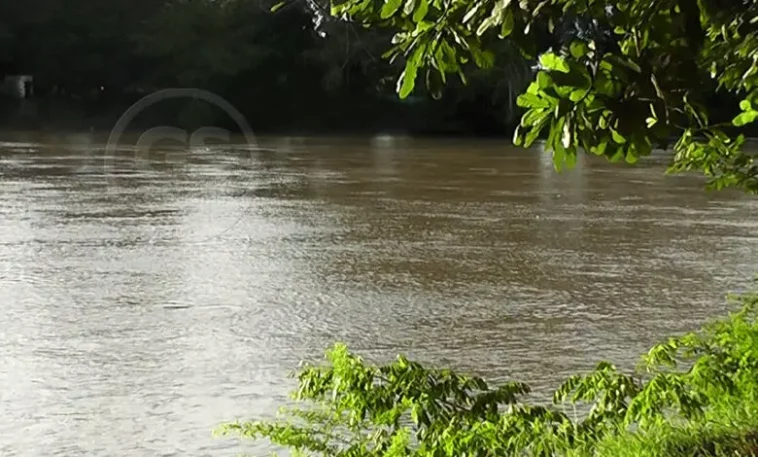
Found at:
(692, 395)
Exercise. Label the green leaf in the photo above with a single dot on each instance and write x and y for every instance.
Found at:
(540, 116)
(623, 62)
(578, 49)
(486, 25)
(604, 85)
(553, 131)
(534, 116)
(543, 80)
(410, 5)
(423, 26)
(745, 105)
(559, 158)
(507, 28)
(600, 147)
(407, 80)
(556, 143)
(618, 156)
(486, 59)
(517, 136)
(446, 57)
(658, 90)
(651, 121)
(472, 12)
(537, 126)
(577, 94)
(528, 100)
(399, 37)
(617, 137)
(531, 136)
(415, 411)
(551, 61)
(390, 7)
(434, 83)
(421, 10)
(566, 134)
(278, 6)
(631, 156)
(745, 118)
(570, 160)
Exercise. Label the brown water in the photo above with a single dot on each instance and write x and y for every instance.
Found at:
(144, 300)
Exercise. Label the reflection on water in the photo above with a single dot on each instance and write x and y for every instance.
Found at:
(147, 300)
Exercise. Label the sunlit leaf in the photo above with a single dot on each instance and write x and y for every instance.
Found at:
(421, 11)
(487, 24)
(410, 6)
(617, 137)
(745, 118)
(553, 62)
(577, 94)
(508, 23)
(390, 8)
(278, 6)
(543, 80)
(528, 100)
(407, 81)
(566, 134)
(470, 14)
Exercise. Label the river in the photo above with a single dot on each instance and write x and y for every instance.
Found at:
(145, 299)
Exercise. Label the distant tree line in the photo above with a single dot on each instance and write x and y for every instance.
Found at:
(295, 68)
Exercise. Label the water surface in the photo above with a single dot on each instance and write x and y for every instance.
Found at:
(144, 299)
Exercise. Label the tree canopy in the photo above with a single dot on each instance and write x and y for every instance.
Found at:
(614, 78)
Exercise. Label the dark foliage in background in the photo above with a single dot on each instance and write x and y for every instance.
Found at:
(296, 68)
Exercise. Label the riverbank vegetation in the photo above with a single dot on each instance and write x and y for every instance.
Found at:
(692, 395)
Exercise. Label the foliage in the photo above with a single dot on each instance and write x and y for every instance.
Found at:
(622, 78)
(693, 395)
(297, 64)
(192, 42)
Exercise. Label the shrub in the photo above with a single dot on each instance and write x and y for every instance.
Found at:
(692, 395)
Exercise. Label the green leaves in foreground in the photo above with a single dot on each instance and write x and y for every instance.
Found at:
(748, 115)
(350, 408)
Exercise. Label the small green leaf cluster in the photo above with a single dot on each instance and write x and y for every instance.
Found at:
(438, 36)
(703, 383)
(584, 110)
